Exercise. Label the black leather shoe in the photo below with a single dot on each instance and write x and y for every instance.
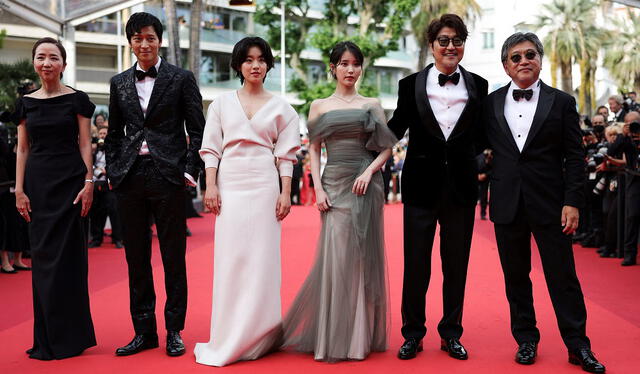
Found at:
(628, 261)
(175, 346)
(455, 349)
(138, 344)
(527, 353)
(607, 254)
(585, 358)
(410, 349)
(118, 244)
(93, 244)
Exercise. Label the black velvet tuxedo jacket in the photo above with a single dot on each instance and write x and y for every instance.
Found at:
(174, 103)
(549, 172)
(432, 162)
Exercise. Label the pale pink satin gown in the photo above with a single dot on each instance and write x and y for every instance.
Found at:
(250, 156)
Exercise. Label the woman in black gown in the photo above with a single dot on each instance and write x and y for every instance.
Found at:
(54, 191)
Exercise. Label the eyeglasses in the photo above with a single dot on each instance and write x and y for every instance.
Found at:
(444, 41)
(529, 55)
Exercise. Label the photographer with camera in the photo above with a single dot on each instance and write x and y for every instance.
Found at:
(104, 199)
(628, 146)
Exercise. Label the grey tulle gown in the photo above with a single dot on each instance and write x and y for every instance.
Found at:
(340, 313)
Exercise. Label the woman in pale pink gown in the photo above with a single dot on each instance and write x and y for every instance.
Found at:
(249, 146)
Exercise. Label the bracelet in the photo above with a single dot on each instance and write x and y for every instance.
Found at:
(88, 181)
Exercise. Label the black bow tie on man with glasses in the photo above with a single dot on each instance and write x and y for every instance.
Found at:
(152, 72)
(443, 79)
(522, 94)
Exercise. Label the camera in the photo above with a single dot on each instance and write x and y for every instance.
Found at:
(595, 157)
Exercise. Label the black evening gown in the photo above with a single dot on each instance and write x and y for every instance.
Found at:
(54, 175)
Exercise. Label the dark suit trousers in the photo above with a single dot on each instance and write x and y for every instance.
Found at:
(104, 204)
(456, 227)
(556, 254)
(142, 194)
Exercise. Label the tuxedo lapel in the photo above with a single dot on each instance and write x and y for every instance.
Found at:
(498, 108)
(472, 93)
(132, 93)
(165, 73)
(545, 102)
(424, 107)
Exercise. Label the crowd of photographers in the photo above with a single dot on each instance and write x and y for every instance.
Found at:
(610, 221)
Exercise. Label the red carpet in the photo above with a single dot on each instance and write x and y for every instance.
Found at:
(611, 294)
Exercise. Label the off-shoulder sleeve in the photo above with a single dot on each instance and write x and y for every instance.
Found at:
(83, 105)
(19, 114)
(381, 136)
(211, 150)
(287, 145)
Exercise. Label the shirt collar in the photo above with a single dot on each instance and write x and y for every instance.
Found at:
(535, 86)
(157, 65)
(439, 72)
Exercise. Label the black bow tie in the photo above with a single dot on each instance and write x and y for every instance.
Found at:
(152, 72)
(522, 94)
(454, 78)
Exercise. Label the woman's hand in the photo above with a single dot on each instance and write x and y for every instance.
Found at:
(23, 205)
(283, 206)
(212, 199)
(361, 183)
(322, 200)
(86, 196)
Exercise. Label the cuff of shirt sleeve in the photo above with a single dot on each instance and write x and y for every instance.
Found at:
(210, 161)
(285, 167)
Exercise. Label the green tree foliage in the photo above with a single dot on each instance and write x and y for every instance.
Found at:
(11, 76)
(379, 25)
(622, 55)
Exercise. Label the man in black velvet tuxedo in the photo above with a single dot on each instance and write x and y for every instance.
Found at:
(441, 107)
(537, 186)
(148, 163)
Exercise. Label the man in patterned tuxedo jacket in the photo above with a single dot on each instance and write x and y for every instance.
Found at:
(148, 163)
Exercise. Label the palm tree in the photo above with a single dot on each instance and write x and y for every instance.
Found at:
(622, 55)
(572, 37)
(430, 9)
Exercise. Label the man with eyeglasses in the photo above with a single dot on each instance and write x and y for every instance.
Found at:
(537, 187)
(441, 107)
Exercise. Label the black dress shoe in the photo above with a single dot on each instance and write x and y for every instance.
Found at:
(628, 261)
(29, 351)
(138, 344)
(585, 358)
(527, 353)
(410, 349)
(93, 244)
(455, 349)
(118, 244)
(607, 254)
(18, 267)
(175, 346)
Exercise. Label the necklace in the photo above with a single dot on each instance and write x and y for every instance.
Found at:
(348, 101)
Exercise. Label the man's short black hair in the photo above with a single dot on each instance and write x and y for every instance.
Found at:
(447, 20)
(241, 50)
(139, 20)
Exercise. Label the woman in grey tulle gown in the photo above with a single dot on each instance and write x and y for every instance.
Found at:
(341, 311)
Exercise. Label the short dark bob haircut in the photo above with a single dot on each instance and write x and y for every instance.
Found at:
(447, 20)
(139, 20)
(517, 38)
(63, 52)
(340, 48)
(241, 50)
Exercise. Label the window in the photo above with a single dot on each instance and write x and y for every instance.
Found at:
(214, 68)
(488, 39)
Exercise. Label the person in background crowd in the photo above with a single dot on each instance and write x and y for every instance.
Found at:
(54, 191)
(105, 203)
(148, 164)
(609, 189)
(539, 196)
(441, 106)
(604, 112)
(633, 105)
(484, 175)
(99, 120)
(295, 179)
(599, 120)
(616, 103)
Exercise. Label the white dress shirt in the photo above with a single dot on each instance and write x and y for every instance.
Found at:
(448, 101)
(145, 89)
(519, 114)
